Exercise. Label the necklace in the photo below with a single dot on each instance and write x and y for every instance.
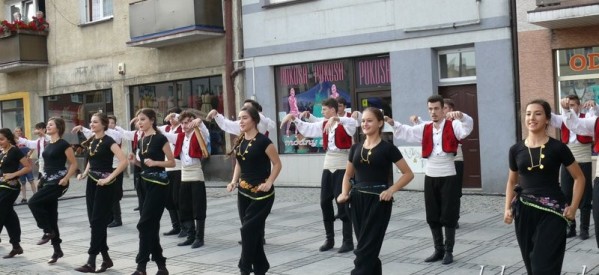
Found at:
(5, 155)
(246, 148)
(367, 159)
(92, 153)
(541, 157)
(145, 151)
(54, 141)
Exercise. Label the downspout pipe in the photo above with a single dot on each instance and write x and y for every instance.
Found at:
(516, 69)
(229, 29)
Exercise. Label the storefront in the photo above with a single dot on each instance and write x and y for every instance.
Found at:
(578, 73)
(15, 112)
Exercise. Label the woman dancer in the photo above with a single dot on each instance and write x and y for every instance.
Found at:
(10, 159)
(53, 184)
(533, 195)
(153, 149)
(254, 176)
(371, 196)
(100, 191)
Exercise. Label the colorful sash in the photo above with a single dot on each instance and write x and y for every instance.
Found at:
(96, 176)
(160, 177)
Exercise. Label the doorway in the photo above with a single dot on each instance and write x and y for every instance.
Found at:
(380, 100)
(464, 97)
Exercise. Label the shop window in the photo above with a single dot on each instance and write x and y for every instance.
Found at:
(12, 113)
(311, 83)
(96, 10)
(77, 109)
(578, 73)
(202, 94)
(456, 65)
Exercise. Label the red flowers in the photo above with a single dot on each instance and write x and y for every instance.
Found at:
(37, 24)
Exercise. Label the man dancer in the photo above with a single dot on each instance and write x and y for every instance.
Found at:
(232, 127)
(440, 139)
(336, 133)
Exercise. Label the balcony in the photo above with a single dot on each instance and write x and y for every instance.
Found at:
(161, 23)
(23, 50)
(561, 14)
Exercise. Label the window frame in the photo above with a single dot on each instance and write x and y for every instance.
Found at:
(87, 12)
(454, 80)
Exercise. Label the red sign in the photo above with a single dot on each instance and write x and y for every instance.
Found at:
(579, 62)
(374, 72)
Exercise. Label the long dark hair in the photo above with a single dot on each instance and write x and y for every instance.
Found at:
(253, 112)
(7, 133)
(151, 114)
(60, 125)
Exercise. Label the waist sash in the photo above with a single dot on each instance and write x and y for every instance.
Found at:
(159, 178)
(97, 175)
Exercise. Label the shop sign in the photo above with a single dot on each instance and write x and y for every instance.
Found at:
(580, 62)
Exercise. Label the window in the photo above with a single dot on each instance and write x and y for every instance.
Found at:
(96, 10)
(457, 65)
(202, 94)
(12, 113)
(77, 109)
(578, 73)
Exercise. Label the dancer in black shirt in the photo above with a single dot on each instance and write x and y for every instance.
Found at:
(371, 197)
(101, 189)
(254, 176)
(10, 158)
(53, 184)
(155, 154)
(534, 199)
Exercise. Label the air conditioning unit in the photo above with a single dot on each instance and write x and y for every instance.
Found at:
(547, 3)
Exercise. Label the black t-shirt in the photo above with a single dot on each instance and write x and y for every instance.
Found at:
(54, 155)
(374, 165)
(100, 155)
(11, 160)
(253, 160)
(150, 147)
(540, 181)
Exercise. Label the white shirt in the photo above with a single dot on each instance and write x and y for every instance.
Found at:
(172, 130)
(439, 163)
(315, 130)
(114, 134)
(232, 127)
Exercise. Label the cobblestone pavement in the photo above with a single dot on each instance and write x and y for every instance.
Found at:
(294, 232)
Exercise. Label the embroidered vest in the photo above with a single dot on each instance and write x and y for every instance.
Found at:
(566, 134)
(449, 142)
(342, 139)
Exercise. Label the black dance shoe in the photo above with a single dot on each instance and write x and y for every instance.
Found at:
(14, 252)
(55, 257)
(46, 238)
(86, 268)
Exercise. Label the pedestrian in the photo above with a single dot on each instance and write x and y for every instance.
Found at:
(534, 199)
(27, 178)
(440, 138)
(13, 163)
(371, 197)
(254, 177)
(336, 133)
(53, 184)
(154, 155)
(190, 148)
(101, 189)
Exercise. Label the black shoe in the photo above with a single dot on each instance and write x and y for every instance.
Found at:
(437, 255)
(24, 201)
(106, 264)
(115, 224)
(86, 268)
(173, 231)
(584, 234)
(448, 258)
(186, 242)
(55, 257)
(182, 234)
(14, 252)
(197, 244)
(346, 247)
(137, 272)
(46, 238)
(571, 233)
(327, 245)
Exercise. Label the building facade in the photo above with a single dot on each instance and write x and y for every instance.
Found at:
(114, 57)
(391, 55)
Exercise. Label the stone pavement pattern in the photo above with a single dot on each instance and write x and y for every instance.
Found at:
(294, 232)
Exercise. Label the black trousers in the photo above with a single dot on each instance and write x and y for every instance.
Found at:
(253, 214)
(542, 239)
(99, 200)
(330, 188)
(596, 208)
(370, 218)
(44, 207)
(442, 201)
(148, 226)
(174, 179)
(8, 216)
(567, 185)
(139, 189)
(192, 200)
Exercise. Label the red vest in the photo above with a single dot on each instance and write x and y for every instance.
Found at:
(596, 147)
(194, 146)
(566, 135)
(177, 131)
(449, 142)
(342, 139)
(136, 140)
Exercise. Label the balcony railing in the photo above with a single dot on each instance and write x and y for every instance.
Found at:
(160, 23)
(23, 50)
(561, 14)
